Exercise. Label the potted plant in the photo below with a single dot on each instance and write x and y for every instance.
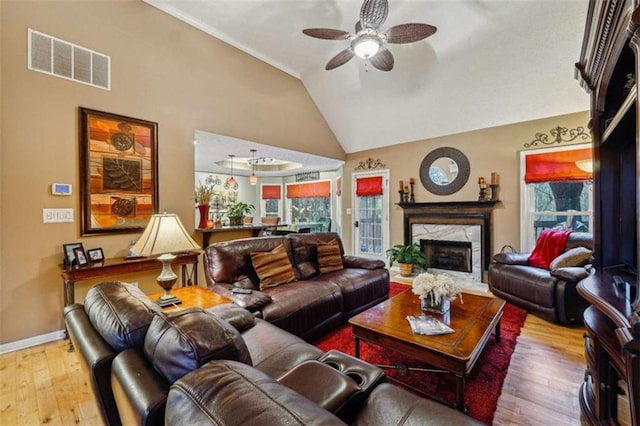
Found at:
(203, 199)
(237, 211)
(407, 256)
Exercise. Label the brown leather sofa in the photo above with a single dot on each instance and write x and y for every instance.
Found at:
(313, 304)
(224, 366)
(548, 293)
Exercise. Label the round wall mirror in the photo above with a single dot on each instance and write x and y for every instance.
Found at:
(444, 171)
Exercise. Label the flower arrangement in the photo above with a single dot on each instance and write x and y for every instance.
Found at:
(435, 287)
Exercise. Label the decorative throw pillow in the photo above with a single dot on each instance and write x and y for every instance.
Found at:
(578, 256)
(273, 267)
(329, 257)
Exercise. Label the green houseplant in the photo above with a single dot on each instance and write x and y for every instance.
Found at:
(407, 256)
(237, 211)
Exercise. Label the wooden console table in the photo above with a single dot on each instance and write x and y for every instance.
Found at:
(120, 265)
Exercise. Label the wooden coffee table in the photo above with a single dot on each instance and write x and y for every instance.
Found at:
(456, 353)
(193, 296)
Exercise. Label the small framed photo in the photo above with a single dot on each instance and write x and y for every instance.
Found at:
(69, 255)
(81, 257)
(95, 255)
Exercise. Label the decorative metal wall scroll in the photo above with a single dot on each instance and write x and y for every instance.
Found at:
(559, 135)
(370, 163)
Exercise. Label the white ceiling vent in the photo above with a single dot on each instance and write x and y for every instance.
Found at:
(57, 57)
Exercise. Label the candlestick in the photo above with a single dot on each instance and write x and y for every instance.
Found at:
(412, 180)
(494, 178)
(494, 192)
(412, 198)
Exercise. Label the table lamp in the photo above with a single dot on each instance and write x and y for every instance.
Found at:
(165, 235)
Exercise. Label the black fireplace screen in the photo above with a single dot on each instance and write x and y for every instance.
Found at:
(449, 255)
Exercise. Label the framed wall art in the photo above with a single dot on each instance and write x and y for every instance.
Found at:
(118, 172)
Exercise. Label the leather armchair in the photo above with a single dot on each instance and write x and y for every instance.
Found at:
(548, 293)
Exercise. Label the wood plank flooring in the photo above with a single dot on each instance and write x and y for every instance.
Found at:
(46, 385)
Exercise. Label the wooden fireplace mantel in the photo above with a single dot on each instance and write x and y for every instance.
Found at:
(453, 213)
(449, 204)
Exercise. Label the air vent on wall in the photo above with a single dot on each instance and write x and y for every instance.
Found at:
(57, 57)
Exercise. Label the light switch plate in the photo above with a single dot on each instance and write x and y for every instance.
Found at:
(57, 215)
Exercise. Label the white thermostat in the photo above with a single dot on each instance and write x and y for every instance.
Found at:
(61, 188)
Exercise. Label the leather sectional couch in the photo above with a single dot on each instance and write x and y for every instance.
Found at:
(224, 366)
(549, 293)
(315, 302)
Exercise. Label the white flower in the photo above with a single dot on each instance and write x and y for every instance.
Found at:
(435, 287)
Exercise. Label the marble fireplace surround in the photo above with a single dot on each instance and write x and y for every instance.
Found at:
(454, 221)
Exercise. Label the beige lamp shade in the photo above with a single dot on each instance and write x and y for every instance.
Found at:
(164, 234)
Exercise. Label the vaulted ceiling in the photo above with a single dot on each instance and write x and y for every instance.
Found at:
(491, 62)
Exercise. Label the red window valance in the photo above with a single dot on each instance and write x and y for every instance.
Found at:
(320, 189)
(271, 192)
(369, 186)
(557, 166)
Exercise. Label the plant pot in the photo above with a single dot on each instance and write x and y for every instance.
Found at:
(204, 215)
(406, 269)
(235, 220)
(427, 305)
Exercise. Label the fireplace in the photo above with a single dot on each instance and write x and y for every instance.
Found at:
(449, 255)
(467, 222)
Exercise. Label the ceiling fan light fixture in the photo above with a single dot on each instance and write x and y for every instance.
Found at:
(366, 46)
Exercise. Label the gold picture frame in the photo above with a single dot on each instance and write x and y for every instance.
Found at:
(118, 172)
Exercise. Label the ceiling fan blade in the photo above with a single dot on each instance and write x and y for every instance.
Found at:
(373, 13)
(340, 59)
(383, 60)
(327, 33)
(408, 33)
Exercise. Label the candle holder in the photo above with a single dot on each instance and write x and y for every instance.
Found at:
(484, 194)
(404, 196)
(412, 198)
(494, 191)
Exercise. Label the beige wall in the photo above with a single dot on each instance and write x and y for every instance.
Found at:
(488, 150)
(162, 71)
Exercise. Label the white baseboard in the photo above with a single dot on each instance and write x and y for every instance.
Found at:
(32, 341)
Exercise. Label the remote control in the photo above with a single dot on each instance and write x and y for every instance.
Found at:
(239, 290)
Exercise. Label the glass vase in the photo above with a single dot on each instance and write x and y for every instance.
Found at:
(427, 304)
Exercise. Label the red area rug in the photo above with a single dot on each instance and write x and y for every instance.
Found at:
(483, 385)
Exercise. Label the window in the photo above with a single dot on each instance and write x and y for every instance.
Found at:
(309, 202)
(557, 191)
(271, 200)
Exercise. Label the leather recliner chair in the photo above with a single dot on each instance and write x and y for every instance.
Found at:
(548, 293)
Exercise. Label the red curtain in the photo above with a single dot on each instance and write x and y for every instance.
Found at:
(369, 186)
(271, 192)
(557, 166)
(309, 190)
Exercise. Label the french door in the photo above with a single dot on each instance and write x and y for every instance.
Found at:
(371, 214)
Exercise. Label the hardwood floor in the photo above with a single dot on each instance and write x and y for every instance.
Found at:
(45, 384)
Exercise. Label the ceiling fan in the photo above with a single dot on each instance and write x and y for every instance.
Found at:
(368, 42)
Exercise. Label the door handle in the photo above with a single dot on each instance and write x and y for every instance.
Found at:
(356, 224)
